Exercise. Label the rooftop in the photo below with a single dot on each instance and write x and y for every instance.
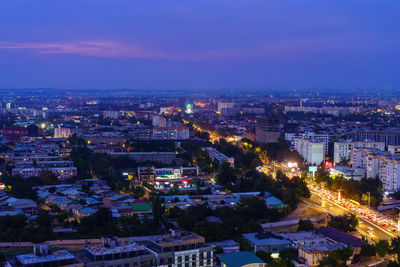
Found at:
(266, 238)
(238, 259)
(179, 238)
(56, 256)
(102, 250)
(340, 237)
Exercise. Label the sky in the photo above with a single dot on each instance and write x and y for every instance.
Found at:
(203, 44)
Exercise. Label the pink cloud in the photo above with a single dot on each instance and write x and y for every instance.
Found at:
(111, 49)
(87, 48)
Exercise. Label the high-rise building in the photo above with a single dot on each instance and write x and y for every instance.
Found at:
(343, 150)
(389, 137)
(379, 164)
(318, 137)
(311, 151)
(159, 121)
(224, 105)
(170, 133)
(111, 114)
(62, 132)
(267, 129)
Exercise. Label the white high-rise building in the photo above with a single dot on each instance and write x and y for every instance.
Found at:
(62, 132)
(320, 137)
(170, 133)
(159, 121)
(377, 163)
(312, 151)
(343, 150)
(222, 105)
(389, 174)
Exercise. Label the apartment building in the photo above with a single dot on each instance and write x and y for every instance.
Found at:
(181, 248)
(318, 137)
(343, 150)
(112, 254)
(170, 133)
(140, 157)
(62, 173)
(43, 256)
(312, 151)
(60, 132)
(380, 164)
(389, 137)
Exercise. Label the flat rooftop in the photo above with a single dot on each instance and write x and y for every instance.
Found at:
(182, 238)
(55, 256)
(99, 250)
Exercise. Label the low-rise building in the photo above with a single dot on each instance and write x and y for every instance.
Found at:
(141, 157)
(220, 157)
(110, 253)
(170, 133)
(43, 256)
(182, 248)
(348, 172)
(62, 173)
(268, 242)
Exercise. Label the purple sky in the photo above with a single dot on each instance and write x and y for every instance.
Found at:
(222, 44)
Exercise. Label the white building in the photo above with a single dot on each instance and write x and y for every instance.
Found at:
(312, 151)
(224, 105)
(62, 132)
(348, 172)
(320, 137)
(159, 121)
(394, 150)
(380, 164)
(62, 173)
(343, 150)
(111, 114)
(389, 174)
(170, 133)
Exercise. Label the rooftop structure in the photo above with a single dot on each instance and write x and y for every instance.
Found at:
(220, 157)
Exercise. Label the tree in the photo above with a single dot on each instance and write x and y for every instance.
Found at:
(305, 225)
(218, 250)
(278, 263)
(328, 261)
(368, 251)
(395, 249)
(48, 177)
(342, 255)
(227, 175)
(44, 219)
(157, 209)
(382, 248)
(265, 256)
(288, 255)
(344, 223)
(322, 174)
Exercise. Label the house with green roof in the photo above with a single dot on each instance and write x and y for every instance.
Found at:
(241, 259)
(142, 209)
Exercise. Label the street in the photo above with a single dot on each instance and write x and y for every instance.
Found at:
(368, 227)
